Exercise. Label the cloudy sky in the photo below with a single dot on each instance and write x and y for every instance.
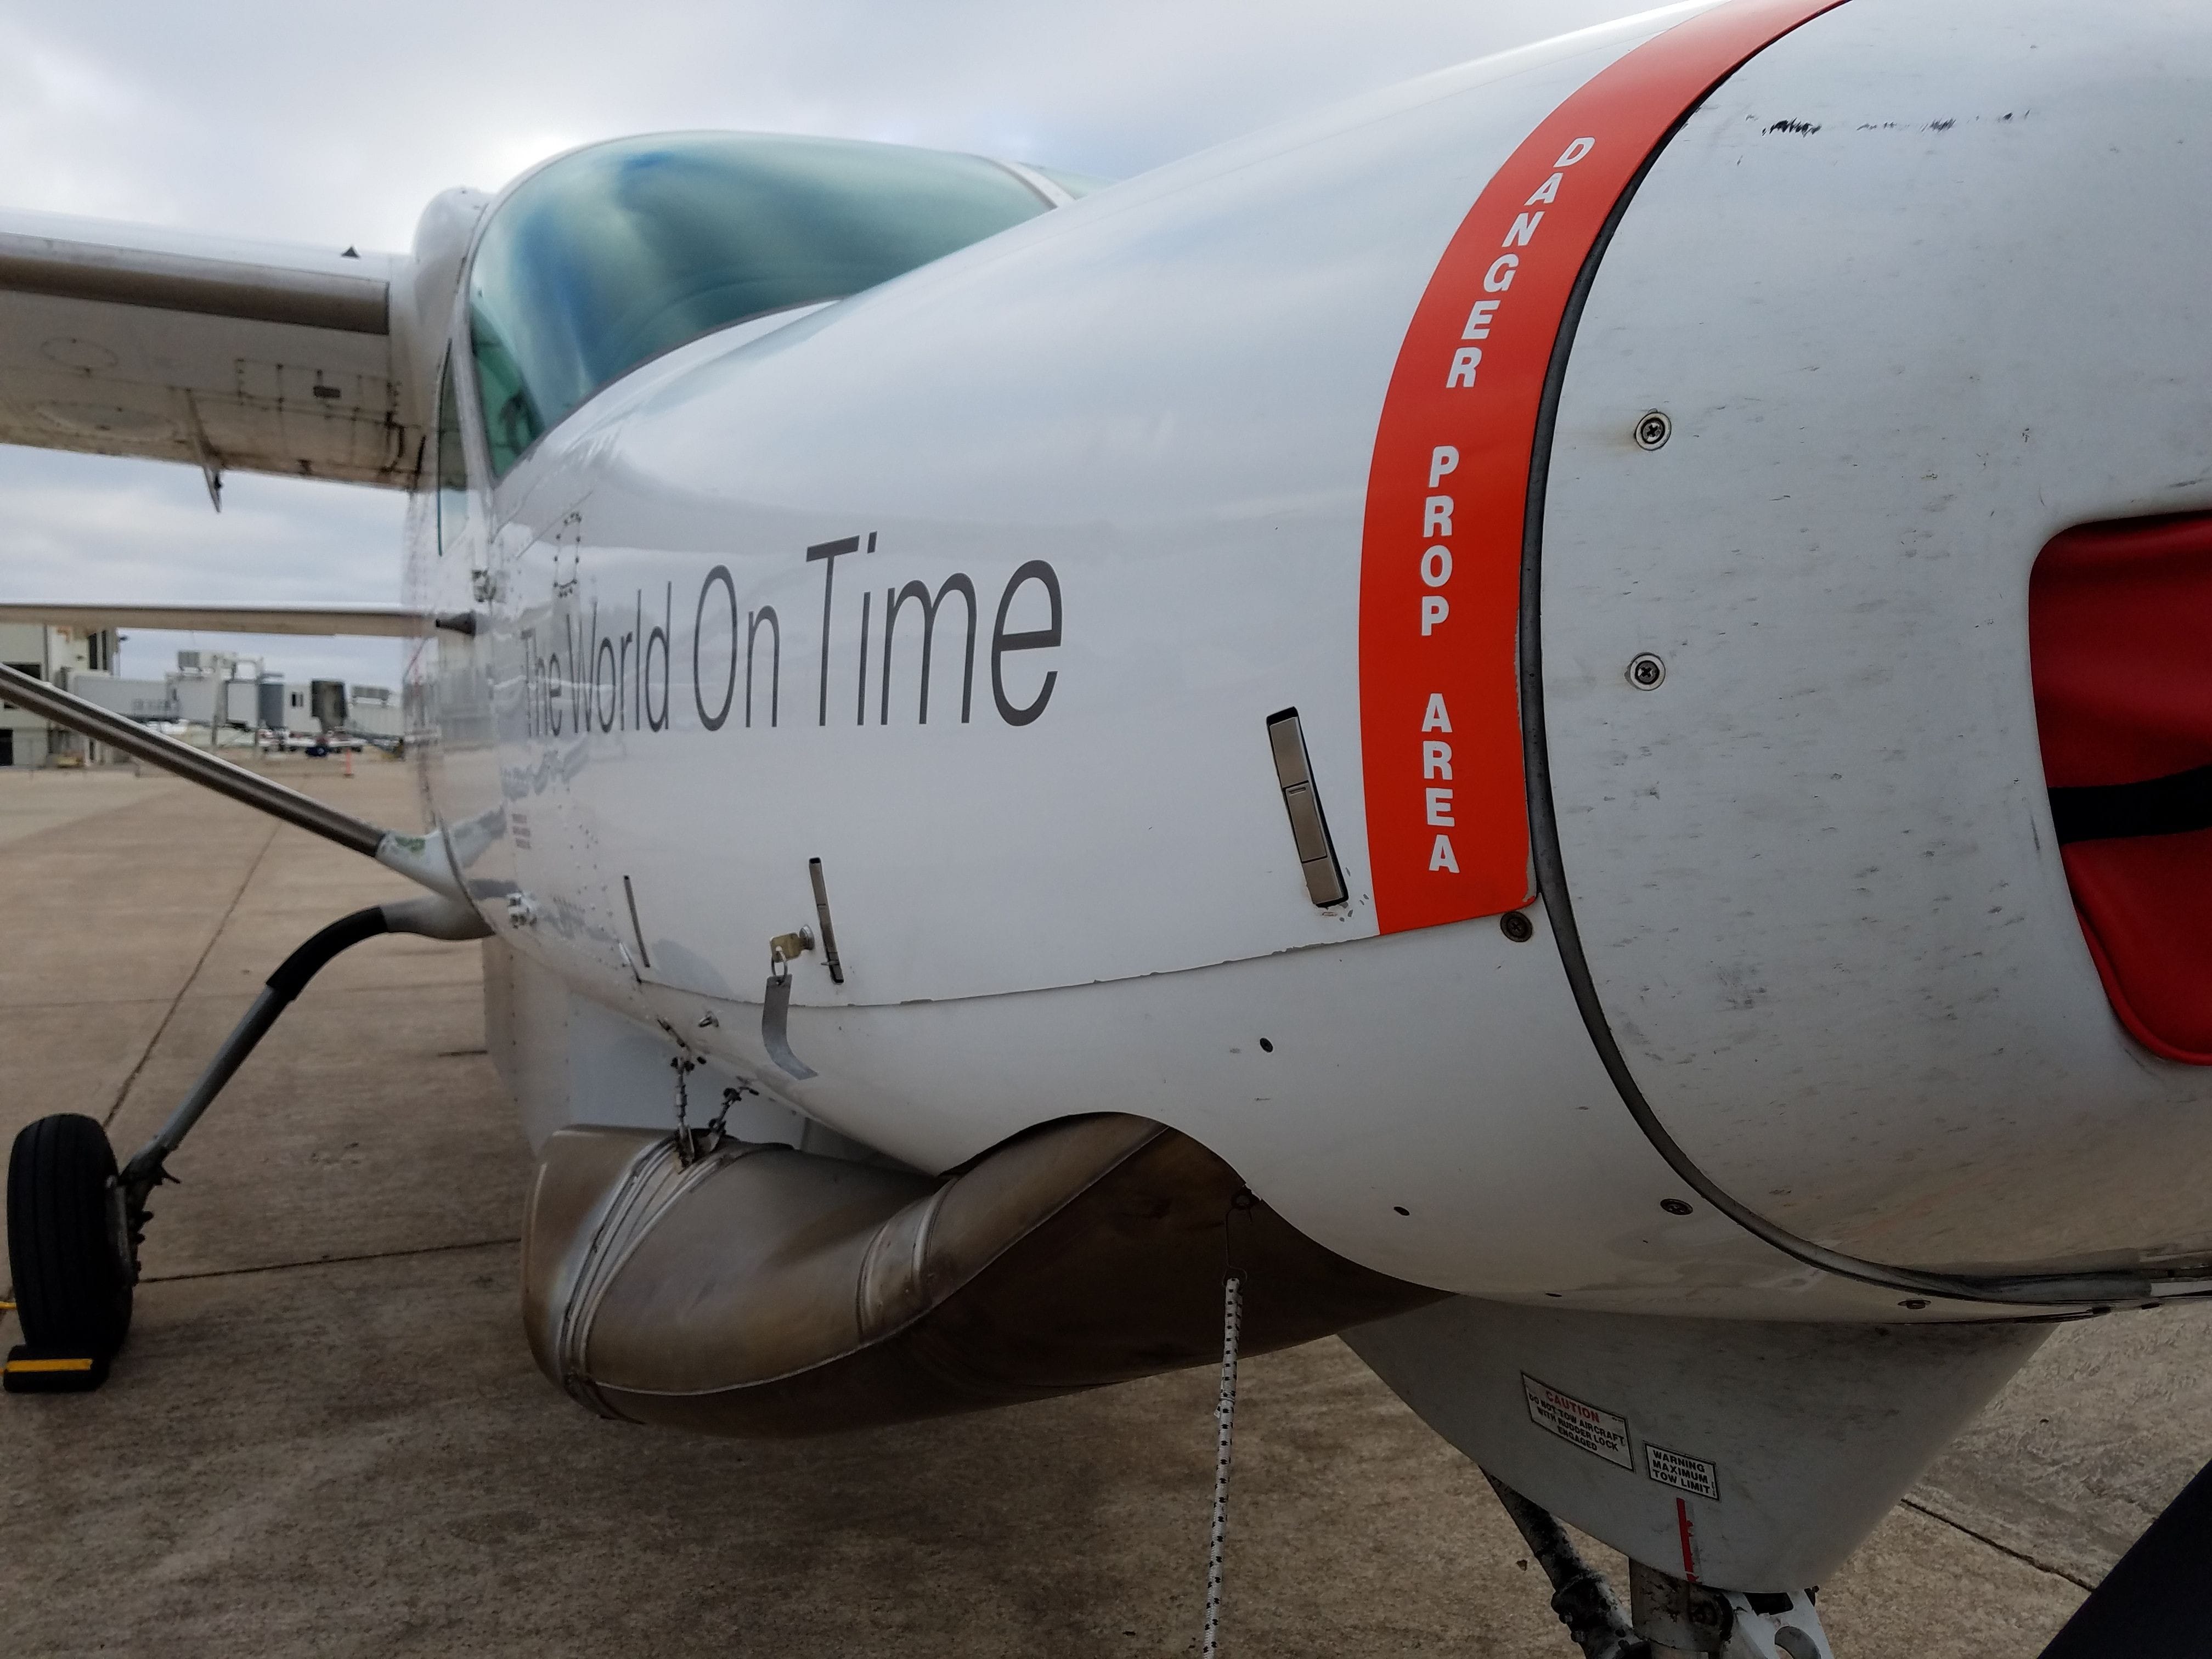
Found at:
(303, 121)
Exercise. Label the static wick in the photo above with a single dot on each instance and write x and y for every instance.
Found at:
(1225, 1420)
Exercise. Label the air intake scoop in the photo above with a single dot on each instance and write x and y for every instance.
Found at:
(761, 1290)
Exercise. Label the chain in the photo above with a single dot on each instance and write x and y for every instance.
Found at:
(704, 1143)
(686, 1147)
(730, 1097)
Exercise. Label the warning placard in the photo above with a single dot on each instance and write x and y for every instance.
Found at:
(1578, 1423)
(1690, 1475)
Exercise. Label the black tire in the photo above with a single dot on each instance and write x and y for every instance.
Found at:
(65, 1249)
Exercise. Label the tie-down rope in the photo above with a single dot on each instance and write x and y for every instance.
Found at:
(1224, 1421)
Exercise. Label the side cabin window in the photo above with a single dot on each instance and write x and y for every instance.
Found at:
(452, 466)
(611, 256)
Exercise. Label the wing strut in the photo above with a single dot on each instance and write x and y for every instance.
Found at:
(420, 858)
(377, 621)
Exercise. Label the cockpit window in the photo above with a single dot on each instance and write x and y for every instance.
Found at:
(617, 253)
(452, 499)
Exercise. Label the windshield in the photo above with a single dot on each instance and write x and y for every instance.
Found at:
(1075, 184)
(617, 253)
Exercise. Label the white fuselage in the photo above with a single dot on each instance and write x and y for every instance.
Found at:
(1912, 301)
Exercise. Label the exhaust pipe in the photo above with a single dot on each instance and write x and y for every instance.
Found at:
(759, 1290)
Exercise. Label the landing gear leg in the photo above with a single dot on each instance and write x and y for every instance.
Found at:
(1679, 1619)
(1584, 1602)
(1670, 1618)
(75, 1221)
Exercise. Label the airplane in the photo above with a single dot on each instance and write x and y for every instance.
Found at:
(1567, 742)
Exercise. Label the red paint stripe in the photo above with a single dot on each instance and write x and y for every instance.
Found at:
(1521, 246)
(1689, 1548)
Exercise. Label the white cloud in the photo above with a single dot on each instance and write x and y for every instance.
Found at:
(104, 531)
(332, 124)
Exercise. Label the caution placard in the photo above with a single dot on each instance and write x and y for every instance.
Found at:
(1577, 1422)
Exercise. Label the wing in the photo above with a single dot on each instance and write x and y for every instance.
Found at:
(125, 340)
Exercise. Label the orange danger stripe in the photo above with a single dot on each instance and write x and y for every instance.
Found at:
(46, 1366)
(1447, 490)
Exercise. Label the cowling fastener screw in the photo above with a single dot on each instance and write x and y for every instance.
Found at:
(1646, 672)
(1653, 428)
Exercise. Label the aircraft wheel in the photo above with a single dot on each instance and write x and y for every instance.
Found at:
(69, 1254)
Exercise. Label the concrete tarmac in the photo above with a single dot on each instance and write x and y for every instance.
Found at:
(326, 1435)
